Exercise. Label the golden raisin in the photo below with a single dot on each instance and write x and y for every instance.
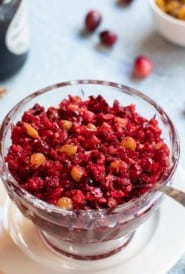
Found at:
(118, 164)
(121, 122)
(65, 124)
(31, 131)
(65, 202)
(91, 127)
(129, 143)
(37, 159)
(69, 150)
(115, 164)
(77, 173)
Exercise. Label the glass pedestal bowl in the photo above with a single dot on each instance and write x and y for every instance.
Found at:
(87, 234)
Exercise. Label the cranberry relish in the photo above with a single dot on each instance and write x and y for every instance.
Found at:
(86, 154)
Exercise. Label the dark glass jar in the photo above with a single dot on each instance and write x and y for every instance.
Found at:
(13, 37)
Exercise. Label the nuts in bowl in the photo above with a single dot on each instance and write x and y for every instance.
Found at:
(77, 159)
(169, 18)
(175, 8)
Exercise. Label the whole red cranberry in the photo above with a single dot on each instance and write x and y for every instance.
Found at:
(108, 38)
(142, 66)
(125, 2)
(93, 20)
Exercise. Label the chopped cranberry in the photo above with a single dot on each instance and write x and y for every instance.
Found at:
(88, 116)
(93, 20)
(87, 154)
(78, 198)
(98, 172)
(108, 38)
(142, 66)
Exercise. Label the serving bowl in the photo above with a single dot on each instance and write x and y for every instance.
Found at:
(94, 233)
(168, 27)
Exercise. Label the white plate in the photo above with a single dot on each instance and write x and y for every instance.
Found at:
(155, 248)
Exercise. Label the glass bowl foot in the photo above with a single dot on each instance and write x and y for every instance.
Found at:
(91, 251)
(28, 238)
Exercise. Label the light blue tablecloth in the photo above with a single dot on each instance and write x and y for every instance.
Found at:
(58, 52)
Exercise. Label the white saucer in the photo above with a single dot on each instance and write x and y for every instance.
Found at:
(155, 248)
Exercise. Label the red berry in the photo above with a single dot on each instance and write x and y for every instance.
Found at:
(93, 20)
(142, 66)
(125, 2)
(108, 38)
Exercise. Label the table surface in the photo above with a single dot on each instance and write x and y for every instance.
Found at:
(58, 52)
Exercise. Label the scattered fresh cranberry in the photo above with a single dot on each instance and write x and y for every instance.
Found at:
(108, 38)
(86, 154)
(125, 2)
(93, 20)
(142, 66)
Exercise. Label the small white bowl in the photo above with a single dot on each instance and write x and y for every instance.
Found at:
(169, 27)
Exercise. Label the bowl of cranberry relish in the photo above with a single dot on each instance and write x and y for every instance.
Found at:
(77, 159)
